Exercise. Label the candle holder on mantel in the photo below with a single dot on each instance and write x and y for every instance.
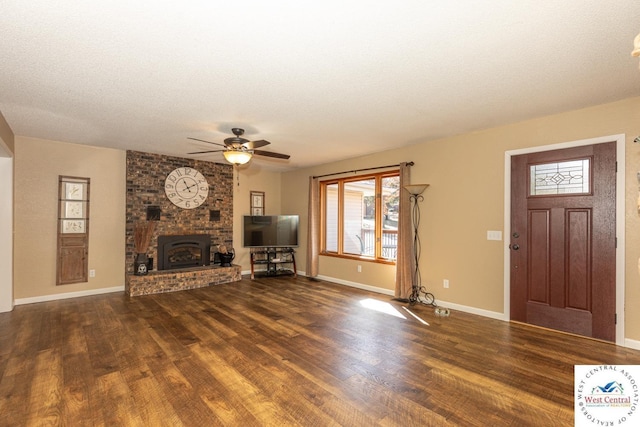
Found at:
(226, 255)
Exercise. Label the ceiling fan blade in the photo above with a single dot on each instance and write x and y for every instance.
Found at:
(238, 143)
(208, 142)
(208, 151)
(271, 154)
(256, 144)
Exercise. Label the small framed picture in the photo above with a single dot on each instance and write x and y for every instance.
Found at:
(257, 199)
(257, 203)
(73, 226)
(74, 210)
(74, 191)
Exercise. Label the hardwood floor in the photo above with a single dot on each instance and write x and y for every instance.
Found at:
(281, 352)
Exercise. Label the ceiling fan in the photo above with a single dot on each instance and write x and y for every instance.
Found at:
(238, 150)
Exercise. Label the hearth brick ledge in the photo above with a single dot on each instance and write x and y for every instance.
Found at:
(157, 282)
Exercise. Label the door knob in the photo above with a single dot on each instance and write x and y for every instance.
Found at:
(515, 247)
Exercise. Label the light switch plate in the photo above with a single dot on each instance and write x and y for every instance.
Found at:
(494, 235)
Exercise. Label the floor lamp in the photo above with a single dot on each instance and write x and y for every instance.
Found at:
(415, 196)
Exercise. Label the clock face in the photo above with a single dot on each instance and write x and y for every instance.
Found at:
(186, 188)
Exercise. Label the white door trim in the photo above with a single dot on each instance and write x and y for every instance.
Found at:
(620, 220)
(6, 230)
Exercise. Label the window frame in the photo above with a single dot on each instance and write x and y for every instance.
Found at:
(378, 218)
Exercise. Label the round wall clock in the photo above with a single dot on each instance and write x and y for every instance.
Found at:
(186, 188)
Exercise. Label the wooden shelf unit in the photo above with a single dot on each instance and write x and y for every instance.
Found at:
(276, 260)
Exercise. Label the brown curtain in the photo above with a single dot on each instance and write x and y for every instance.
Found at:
(313, 231)
(404, 256)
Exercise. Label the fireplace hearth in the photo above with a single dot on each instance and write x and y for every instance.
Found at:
(183, 251)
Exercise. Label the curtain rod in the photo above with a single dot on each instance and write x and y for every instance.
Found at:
(362, 170)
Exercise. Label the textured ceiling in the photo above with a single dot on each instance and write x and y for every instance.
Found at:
(322, 81)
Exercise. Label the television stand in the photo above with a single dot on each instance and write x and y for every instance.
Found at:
(276, 261)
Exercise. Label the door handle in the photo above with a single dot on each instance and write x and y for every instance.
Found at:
(514, 247)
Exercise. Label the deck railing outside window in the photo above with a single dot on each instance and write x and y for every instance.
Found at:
(389, 243)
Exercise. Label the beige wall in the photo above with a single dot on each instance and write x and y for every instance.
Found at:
(38, 163)
(6, 138)
(247, 178)
(466, 198)
(6, 216)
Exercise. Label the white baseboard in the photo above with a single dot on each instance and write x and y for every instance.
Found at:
(356, 285)
(343, 282)
(473, 310)
(248, 273)
(54, 297)
(629, 343)
(464, 308)
(5, 308)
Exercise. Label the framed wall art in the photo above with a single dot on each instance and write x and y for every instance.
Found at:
(257, 203)
(73, 230)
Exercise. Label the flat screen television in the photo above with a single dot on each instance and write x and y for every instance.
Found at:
(270, 230)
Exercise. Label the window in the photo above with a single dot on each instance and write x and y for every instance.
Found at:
(570, 177)
(360, 216)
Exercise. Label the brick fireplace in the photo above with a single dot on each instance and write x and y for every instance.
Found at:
(157, 282)
(212, 222)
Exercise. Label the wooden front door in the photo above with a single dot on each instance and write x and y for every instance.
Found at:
(563, 242)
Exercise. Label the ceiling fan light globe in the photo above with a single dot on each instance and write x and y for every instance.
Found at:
(636, 46)
(237, 157)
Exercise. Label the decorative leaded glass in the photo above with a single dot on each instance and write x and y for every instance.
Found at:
(570, 177)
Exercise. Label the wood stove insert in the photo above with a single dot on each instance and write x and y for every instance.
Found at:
(183, 251)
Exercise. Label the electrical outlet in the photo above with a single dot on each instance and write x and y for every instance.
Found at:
(92, 273)
(445, 283)
(359, 268)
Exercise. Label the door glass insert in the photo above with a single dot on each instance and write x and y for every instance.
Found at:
(570, 177)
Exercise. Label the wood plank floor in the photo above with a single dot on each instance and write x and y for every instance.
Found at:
(281, 352)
